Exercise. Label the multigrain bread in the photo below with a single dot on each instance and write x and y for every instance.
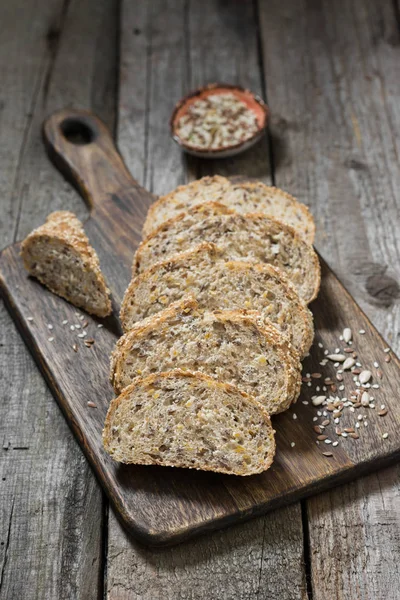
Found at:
(59, 255)
(207, 189)
(227, 345)
(241, 197)
(253, 237)
(184, 419)
(257, 197)
(217, 284)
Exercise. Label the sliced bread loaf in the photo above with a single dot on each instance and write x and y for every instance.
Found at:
(184, 419)
(241, 197)
(207, 189)
(227, 345)
(217, 284)
(252, 237)
(257, 197)
(59, 255)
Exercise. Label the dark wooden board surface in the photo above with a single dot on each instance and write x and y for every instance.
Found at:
(163, 506)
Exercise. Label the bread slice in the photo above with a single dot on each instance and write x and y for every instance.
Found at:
(242, 197)
(253, 237)
(59, 255)
(228, 345)
(257, 197)
(184, 419)
(217, 284)
(207, 189)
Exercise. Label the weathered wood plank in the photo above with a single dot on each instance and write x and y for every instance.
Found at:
(51, 527)
(175, 47)
(334, 95)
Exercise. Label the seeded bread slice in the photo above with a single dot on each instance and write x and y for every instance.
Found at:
(207, 189)
(242, 197)
(227, 345)
(253, 237)
(217, 284)
(184, 419)
(59, 255)
(257, 197)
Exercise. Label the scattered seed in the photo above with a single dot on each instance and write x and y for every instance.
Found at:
(336, 420)
(335, 444)
(82, 335)
(333, 387)
(328, 380)
(379, 374)
(357, 425)
(315, 419)
(365, 423)
(385, 436)
(326, 352)
(338, 431)
(318, 400)
(65, 322)
(362, 331)
(322, 438)
(376, 386)
(349, 430)
(77, 326)
(356, 372)
(72, 327)
(341, 388)
(365, 376)
(348, 363)
(305, 379)
(344, 434)
(327, 453)
(294, 416)
(85, 324)
(365, 399)
(49, 326)
(383, 412)
(292, 444)
(387, 359)
(383, 407)
(304, 402)
(317, 389)
(387, 350)
(320, 345)
(92, 404)
(325, 423)
(317, 429)
(100, 325)
(75, 347)
(339, 377)
(355, 436)
(29, 318)
(328, 441)
(50, 339)
(316, 375)
(319, 413)
(337, 357)
(347, 335)
(81, 317)
(348, 349)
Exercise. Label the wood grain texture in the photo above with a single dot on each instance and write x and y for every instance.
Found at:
(334, 104)
(51, 505)
(165, 506)
(255, 559)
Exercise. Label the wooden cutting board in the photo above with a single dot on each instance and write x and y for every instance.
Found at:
(163, 506)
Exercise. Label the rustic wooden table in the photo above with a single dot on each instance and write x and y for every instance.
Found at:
(331, 75)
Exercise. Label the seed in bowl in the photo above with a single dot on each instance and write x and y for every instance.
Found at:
(217, 121)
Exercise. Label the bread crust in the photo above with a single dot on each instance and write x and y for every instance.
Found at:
(211, 255)
(189, 306)
(143, 256)
(178, 373)
(194, 187)
(64, 227)
(270, 200)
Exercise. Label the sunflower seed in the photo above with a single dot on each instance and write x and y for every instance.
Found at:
(337, 357)
(318, 400)
(348, 363)
(365, 376)
(347, 334)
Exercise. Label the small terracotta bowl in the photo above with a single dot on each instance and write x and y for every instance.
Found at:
(253, 102)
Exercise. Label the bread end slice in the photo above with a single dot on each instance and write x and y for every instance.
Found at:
(59, 255)
(185, 419)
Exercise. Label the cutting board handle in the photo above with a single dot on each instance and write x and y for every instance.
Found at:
(81, 147)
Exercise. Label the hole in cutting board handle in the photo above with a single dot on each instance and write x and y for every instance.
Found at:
(77, 132)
